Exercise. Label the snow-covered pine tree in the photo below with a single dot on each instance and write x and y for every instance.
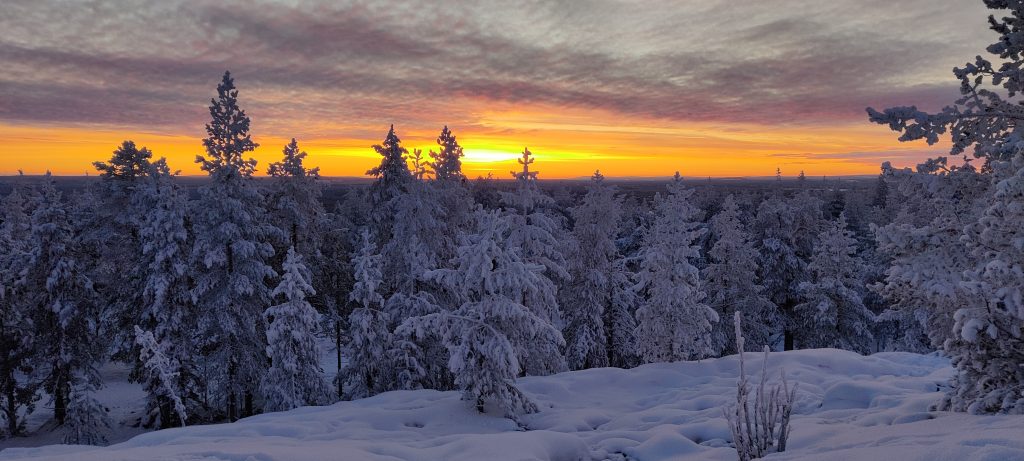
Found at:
(417, 242)
(990, 378)
(162, 377)
(336, 277)
(393, 181)
(492, 328)
(880, 199)
(730, 279)
(832, 313)
(780, 267)
(421, 241)
(619, 322)
(673, 322)
(924, 282)
(294, 378)
(87, 419)
(591, 265)
(295, 205)
(112, 230)
(230, 256)
(366, 372)
(17, 389)
(65, 313)
(452, 194)
(447, 164)
(808, 222)
(533, 232)
(167, 311)
(987, 317)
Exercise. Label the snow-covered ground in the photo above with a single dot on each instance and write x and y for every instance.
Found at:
(849, 407)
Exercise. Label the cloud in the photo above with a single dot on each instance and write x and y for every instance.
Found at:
(903, 157)
(790, 62)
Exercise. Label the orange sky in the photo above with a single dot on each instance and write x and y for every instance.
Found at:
(566, 147)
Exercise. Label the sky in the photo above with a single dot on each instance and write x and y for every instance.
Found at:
(633, 88)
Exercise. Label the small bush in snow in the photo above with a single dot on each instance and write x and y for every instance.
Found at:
(762, 427)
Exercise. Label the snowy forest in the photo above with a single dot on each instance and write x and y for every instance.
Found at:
(223, 296)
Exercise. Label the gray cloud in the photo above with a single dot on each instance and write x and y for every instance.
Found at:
(783, 62)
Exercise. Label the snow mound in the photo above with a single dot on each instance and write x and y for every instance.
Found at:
(849, 407)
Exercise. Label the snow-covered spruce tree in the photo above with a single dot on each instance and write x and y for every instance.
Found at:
(880, 199)
(295, 205)
(421, 240)
(163, 375)
(673, 322)
(923, 283)
(730, 279)
(591, 265)
(113, 231)
(486, 192)
(532, 232)
(990, 378)
(780, 269)
(87, 420)
(969, 274)
(294, 378)
(366, 372)
(65, 314)
(485, 335)
(451, 191)
(619, 322)
(417, 242)
(17, 389)
(808, 222)
(336, 278)
(230, 256)
(832, 313)
(393, 180)
(447, 164)
(167, 311)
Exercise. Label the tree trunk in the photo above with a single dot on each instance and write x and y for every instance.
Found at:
(11, 411)
(60, 404)
(337, 348)
(232, 407)
(789, 336)
(247, 411)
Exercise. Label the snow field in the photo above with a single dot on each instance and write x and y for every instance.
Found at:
(849, 407)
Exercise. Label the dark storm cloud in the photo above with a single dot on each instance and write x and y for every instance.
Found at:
(155, 64)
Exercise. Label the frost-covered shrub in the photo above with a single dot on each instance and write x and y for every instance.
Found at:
(763, 427)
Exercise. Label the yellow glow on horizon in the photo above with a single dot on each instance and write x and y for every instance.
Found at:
(567, 144)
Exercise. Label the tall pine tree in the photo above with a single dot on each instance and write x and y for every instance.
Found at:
(294, 378)
(673, 322)
(730, 279)
(231, 255)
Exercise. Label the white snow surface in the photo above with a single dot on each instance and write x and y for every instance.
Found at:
(849, 407)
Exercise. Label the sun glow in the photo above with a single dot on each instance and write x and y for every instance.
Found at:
(572, 146)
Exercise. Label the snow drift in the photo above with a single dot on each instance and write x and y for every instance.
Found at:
(849, 407)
